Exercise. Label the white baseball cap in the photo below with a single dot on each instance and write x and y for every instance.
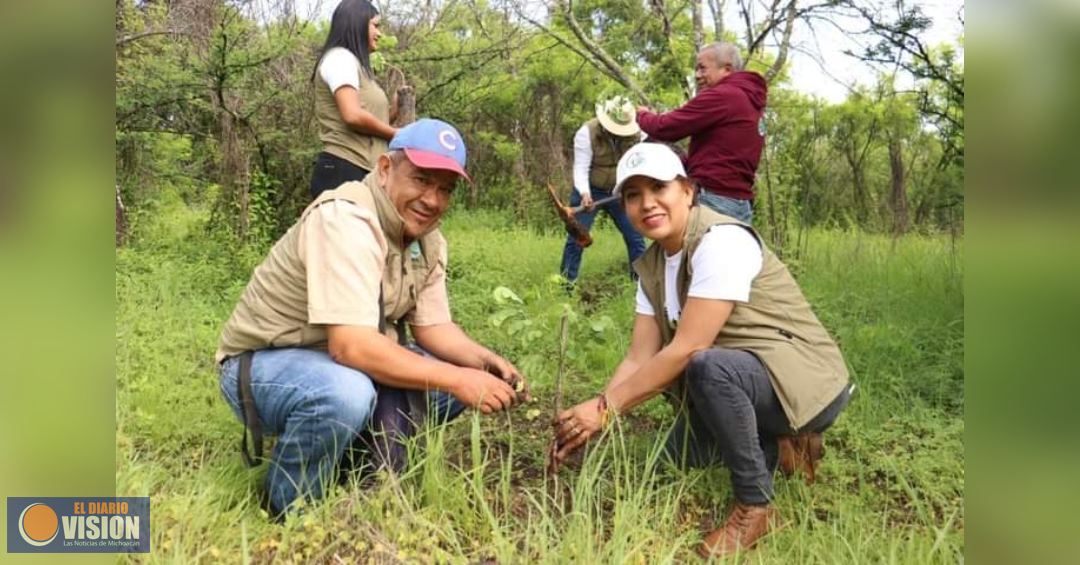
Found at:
(653, 160)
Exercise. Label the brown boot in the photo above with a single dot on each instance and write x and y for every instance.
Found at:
(745, 525)
(800, 452)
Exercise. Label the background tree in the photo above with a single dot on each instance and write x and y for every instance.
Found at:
(213, 99)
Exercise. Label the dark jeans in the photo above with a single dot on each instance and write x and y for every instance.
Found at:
(733, 416)
(635, 244)
(331, 171)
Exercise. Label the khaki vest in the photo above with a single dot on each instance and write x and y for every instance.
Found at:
(607, 149)
(272, 312)
(336, 136)
(805, 365)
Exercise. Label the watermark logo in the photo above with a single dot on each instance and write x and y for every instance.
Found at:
(38, 524)
(78, 525)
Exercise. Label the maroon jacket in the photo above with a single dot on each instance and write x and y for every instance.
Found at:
(726, 132)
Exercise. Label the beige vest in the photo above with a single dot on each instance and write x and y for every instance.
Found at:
(607, 149)
(272, 312)
(337, 138)
(777, 325)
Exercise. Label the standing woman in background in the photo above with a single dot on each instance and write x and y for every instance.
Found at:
(352, 110)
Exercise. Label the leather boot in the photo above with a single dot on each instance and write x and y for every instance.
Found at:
(800, 452)
(745, 525)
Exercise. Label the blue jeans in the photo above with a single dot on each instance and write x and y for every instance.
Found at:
(635, 244)
(738, 209)
(316, 407)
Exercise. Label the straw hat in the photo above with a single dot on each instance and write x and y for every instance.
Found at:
(618, 116)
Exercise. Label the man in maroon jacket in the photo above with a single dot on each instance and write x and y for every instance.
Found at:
(726, 126)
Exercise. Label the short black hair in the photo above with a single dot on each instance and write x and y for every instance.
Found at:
(349, 30)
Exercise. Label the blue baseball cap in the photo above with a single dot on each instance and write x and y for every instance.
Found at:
(432, 144)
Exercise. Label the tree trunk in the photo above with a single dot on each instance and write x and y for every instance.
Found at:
(899, 187)
(121, 219)
(406, 106)
(695, 14)
(776, 230)
(235, 172)
(477, 154)
(717, 9)
(785, 43)
(521, 198)
(858, 180)
(557, 165)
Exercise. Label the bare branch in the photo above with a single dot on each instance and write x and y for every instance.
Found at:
(565, 43)
(613, 69)
(785, 43)
(665, 22)
(717, 9)
(695, 17)
(744, 9)
(121, 41)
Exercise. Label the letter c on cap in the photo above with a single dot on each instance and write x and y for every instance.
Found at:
(446, 139)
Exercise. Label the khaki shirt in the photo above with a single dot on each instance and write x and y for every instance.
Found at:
(345, 253)
(344, 257)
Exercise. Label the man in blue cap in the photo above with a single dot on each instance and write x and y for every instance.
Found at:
(316, 348)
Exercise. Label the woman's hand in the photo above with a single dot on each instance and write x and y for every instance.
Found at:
(575, 426)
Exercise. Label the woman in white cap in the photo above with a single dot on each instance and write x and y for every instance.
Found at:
(723, 328)
(351, 108)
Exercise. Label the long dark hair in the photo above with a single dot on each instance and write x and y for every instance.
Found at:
(349, 29)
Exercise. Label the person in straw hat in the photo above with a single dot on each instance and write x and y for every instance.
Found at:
(598, 145)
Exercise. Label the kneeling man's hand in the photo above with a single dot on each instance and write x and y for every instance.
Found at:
(505, 370)
(483, 391)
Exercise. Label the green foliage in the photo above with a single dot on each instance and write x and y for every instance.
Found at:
(890, 488)
(379, 63)
(238, 93)
(215, 140)
(263, 227)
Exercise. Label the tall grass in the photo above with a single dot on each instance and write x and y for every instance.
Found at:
(891, 487)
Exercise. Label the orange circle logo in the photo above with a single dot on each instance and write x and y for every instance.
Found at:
(38, 524)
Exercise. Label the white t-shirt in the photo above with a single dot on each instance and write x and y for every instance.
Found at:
(339, 67)
(724, 266)
(582, 160)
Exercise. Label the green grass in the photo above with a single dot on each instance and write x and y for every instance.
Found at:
(890, 489)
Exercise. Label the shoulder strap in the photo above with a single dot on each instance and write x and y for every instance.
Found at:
(249, 413)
